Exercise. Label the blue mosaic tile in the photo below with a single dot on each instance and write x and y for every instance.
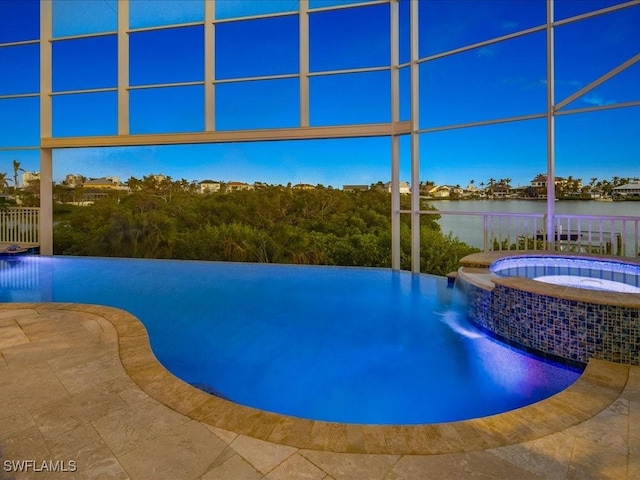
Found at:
(569, 329)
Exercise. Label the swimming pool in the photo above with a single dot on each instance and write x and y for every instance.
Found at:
(338, 344)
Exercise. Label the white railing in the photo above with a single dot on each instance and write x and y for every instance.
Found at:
(610, 235)
(19, 225)
(508, 231)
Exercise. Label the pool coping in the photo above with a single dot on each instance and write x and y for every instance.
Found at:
(474, 269)
(598, 387)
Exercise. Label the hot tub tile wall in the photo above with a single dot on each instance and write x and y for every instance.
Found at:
(478, 305)
(564, 328)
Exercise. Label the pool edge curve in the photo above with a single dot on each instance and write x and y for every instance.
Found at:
(598, 387)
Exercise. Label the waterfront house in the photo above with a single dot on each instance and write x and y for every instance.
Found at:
(73, 180)
(209, 186)
(628, 191)
(439, 191)
(499, 190)
(445, 191)
(234, 186)
(539, 183)
(30, 178)
(404, 187)
(103, 183)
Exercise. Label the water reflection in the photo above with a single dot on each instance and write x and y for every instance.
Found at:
(21, 280)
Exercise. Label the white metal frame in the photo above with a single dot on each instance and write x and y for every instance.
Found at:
(551, 128)
(394, 129)
(46, 154)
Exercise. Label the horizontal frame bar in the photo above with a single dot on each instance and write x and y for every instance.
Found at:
(301, 133)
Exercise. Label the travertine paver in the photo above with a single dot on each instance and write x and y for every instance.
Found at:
(11, 335)
(71, 411)
(296, 466)
(29, 388)
(459, 466)
(352, 466)
(548, 457)
(127, 428)
(264, 456)
(224, 435)
(186, 451)
(65, 396)
(234, 468)
(88, 449)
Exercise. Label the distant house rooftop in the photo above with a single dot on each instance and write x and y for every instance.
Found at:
(104, 182)
(633, 185)
(355, 188)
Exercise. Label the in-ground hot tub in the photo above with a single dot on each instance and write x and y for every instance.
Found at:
(568, 308)
(578, 272)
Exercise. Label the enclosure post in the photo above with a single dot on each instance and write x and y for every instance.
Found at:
(551, 185)
(46, 154)
(123, 68)
(395, 139)
(415, 149)
(209, 67)
(304, 62)
(46, 202)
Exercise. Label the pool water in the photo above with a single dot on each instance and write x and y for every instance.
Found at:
(352, 345)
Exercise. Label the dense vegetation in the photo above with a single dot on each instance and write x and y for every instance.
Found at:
(269, 224)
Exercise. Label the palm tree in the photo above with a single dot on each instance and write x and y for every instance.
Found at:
(492, 182)
(577, 184)
(3, 181)
(16, 169)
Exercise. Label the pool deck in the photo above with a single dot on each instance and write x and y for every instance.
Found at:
(80, 385)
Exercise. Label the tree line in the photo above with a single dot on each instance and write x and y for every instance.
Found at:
(276, 224)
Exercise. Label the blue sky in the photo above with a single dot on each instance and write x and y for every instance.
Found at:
(494, 81)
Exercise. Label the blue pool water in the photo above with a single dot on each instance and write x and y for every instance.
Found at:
(338, 344)
(588, 273)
